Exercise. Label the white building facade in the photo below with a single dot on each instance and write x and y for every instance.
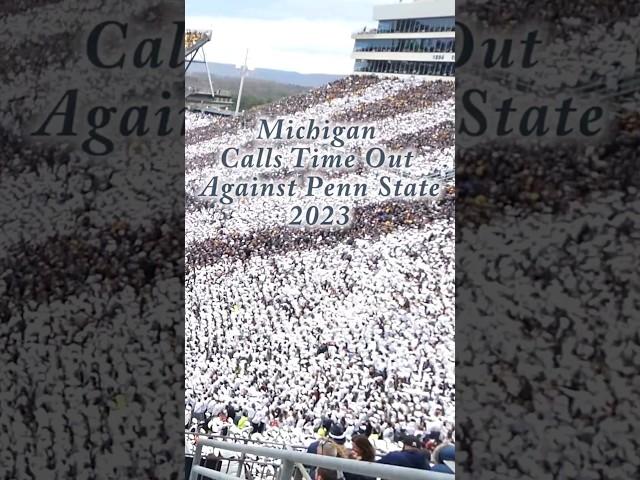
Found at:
(412, 38)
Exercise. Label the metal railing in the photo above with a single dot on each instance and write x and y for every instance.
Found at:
(244, 466)
(290, 461)
(245, 438)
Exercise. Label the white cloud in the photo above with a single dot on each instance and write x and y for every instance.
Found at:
(305, 46)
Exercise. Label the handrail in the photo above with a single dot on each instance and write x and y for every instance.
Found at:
(290, 458)
(303, 472)
(234, 438)
(207, 472)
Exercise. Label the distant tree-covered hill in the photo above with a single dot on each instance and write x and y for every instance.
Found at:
(256, 91)
(279, 76)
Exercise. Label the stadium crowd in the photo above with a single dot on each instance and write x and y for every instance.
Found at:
(192, 37)
(575, 53)
(404, 127)
(296, 334)
(543, 238)
(81, 286)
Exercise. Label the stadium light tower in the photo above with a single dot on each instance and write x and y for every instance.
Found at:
(244, 71)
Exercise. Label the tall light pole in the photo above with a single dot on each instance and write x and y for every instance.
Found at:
(244, 71)
(191, 53)
(206, 65)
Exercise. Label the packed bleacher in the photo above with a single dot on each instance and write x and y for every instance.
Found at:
(582, 44)
(544, 255)
(294, 335)
(79, 260)
(192, 37)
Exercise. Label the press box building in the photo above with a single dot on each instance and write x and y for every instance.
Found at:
(412, 38)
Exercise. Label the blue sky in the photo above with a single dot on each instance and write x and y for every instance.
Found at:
(299, 35)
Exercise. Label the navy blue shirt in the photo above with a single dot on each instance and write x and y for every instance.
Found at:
(313, 447)
(406, 458)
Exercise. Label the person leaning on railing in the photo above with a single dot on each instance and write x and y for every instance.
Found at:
(333, 446)
(412, 455)
(336, 437)
(445, 452)
(361, 449)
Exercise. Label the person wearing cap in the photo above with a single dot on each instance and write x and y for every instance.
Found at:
(412, 455)
(332, 446)
(336, 436)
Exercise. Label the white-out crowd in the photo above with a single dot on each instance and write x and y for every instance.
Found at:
(544, 240)
(289, 329)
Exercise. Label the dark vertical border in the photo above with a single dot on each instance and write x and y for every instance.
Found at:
(92, 241)
(546, 225)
